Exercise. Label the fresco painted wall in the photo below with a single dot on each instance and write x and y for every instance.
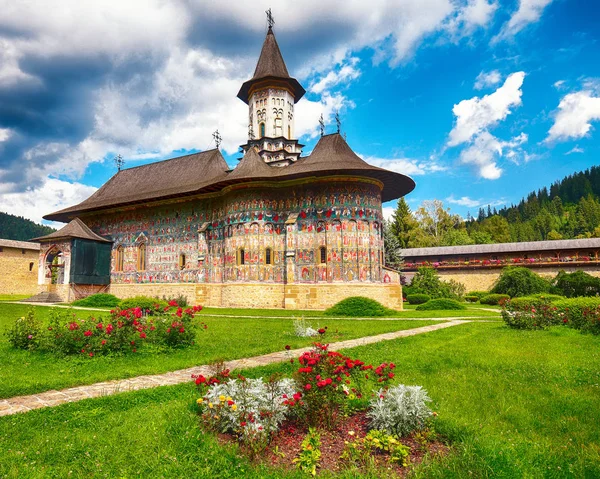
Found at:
(201, 241)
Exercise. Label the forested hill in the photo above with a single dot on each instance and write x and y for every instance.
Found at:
(570, 208)
(19, 228)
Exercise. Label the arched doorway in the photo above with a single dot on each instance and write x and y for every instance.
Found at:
(54, 266)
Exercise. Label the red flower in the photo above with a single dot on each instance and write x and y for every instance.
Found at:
(307, 387)
(297, 396)
(99, 326)
(200, 379)
(182, 330)
(168, 330)
(173, 303)
(109, 328)
(132, 343)
(103, 342)
(91, 355)
(143, 335)
(179, 312)
(287, 347)
(321, 331)
(243, 424)
(390, 375)
(88, 333)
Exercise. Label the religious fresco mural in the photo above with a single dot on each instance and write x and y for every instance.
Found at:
(323, 231)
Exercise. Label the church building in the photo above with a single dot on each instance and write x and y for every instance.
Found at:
(280, 230)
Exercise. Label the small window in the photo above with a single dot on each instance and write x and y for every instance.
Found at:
(268, 254)
(31, 266)
(262, 129)
(1, 250)
(289, 132)
(181, 261)
(22, 251)
(141, 257)
(119, 259)
(241, 257)
(323, 254)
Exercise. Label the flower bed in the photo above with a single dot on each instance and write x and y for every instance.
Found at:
(335, 413)
(125, 330)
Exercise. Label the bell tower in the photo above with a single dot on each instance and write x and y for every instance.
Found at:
(271, 95)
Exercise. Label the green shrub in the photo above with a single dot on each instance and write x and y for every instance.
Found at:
(26, 332)
(471, 299)
(494, 299)
(98, 300)
(578, 313)
(144, 302)
(479, 294)
(547, 296)
(576, 284)
(527, 302)
(359, 306)
(427, 281)
(520, 281)
(180, 299)
(418, 298)
(440, 304)
(529, 313)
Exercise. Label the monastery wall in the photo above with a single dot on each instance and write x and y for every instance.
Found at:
(483, 280)
(18, 271)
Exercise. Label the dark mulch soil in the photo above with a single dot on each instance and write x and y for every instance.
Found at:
(285, 446)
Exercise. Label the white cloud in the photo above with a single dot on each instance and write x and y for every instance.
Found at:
(5, 134)
(477, 114)
(405, 166)
(51, 195)
(575, 149)
(529, 11)
(484, 152)
(576, 111)
(476, 13)
(388, 212)
(559, 84)
(463, 201)
(342, 74)
(484, 79)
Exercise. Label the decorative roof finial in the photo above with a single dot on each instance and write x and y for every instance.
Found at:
(119, 161)
(338, 122)
(270, 19)
(322, 124)
(217, 137)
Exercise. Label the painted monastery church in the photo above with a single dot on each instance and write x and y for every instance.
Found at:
(280, 230)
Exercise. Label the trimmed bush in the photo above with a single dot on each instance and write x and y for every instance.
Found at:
(98, 300)
(576, 284)
(520, 281)
(471, 299)
(359, 306)
(427, 281)
(418, 298)
(479, 294)
(144, 302)
(547, 296)
(440, 304)
(527, 302)
(493, 299)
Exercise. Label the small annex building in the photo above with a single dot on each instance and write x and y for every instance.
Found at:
(479, 266)
(18, 267)
(280, 230)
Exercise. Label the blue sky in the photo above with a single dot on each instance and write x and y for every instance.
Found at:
(480, 101)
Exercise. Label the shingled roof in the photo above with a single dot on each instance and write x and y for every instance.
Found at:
(75, 229)
(272, 67)
(6, 243)
(208, 172)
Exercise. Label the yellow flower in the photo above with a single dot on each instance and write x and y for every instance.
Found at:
(351, 433)
(229, 398)
(234, 407)
(200, 401)
(210, 405)
(221, 398)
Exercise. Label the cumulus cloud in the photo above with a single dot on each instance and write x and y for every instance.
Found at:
(477, 114)
(487, 79)
(343, 74)
(474, 14)
(529, 11)
(575, 149)
(575, 113)
(406, 166)
(484, 152)
(51, 195)
(463, 201)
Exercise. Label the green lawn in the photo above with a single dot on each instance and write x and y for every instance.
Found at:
(24, 372)
(513, 404)
(14, 297)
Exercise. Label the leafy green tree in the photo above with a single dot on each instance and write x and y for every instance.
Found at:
(435, 220)
(456, 237)
(403, 225)
(498, 229)
(520, 281)
(392, 256)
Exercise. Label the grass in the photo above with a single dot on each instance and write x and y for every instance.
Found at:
(14, 297)
(513, 403)
(25, 372)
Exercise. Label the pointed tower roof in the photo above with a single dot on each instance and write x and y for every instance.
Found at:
(251, 166)
(271, 69)
(75, 229)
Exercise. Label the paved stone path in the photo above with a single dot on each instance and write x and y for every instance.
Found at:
(54, 398)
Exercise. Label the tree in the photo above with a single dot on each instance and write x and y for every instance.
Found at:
(435, 220)
(403, 225)
(456, 237)
(498, 229)
(392, 258)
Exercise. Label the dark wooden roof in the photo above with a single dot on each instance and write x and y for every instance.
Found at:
(271, 66)
(75, 229)
(208, 172)
(526, 246)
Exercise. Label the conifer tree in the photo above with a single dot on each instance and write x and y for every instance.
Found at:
(403, 225)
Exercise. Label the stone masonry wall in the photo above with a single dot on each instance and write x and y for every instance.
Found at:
(18, 271)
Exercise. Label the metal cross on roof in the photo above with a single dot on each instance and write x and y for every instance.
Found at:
(218, 138)
(119, 162)
(322, 124)
(338, 122)
(270, 19)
